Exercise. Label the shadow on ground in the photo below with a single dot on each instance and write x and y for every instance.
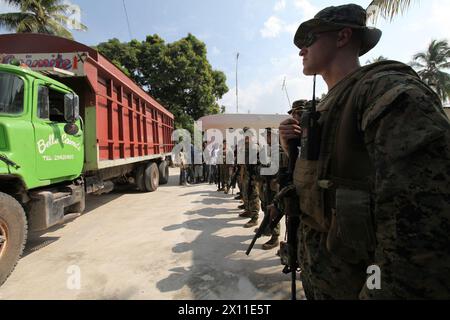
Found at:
(220, 269)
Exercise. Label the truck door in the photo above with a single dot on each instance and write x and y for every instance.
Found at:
(59, 155)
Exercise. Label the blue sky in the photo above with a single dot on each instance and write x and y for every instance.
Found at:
(261, 31)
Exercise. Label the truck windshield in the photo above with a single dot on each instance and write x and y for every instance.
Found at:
(11, 94)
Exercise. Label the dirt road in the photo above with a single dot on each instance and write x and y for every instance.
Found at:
(176, 243)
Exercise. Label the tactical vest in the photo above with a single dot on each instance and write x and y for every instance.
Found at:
(336, 192)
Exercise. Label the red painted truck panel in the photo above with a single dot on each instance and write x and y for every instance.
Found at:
(129, 123)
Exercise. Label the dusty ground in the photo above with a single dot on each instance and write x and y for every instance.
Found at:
(176, 243)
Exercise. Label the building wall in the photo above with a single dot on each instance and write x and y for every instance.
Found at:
(447, 109)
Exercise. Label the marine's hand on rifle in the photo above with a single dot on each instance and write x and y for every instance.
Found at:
(289, 130)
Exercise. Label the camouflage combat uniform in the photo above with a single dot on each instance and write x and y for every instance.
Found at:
(268, 187)
(398, 216)
(223, 173)
(250, 194)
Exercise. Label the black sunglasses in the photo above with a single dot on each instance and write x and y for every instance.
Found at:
(312, 37)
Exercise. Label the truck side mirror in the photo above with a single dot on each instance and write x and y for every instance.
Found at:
(71, 107)
(71, 113)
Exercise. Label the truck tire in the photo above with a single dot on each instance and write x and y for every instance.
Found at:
(163, 173)
(151, 177)
(13, 234)
(139, 178)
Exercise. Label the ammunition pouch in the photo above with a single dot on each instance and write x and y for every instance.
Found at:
(311, 195)
(352, 233)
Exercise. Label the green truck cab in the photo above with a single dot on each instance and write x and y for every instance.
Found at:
(41, 145)
(33, 105)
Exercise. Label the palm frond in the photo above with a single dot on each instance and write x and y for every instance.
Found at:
(417, 65)
(12, 20)
(388, 9)
(420, 56)
(42, 16)
(15, 3)
(431, 65)
(56, 28)
(28, 25)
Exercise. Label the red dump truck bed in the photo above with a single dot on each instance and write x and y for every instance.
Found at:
(123, 124)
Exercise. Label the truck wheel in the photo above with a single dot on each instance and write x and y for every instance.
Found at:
(151, 177)
(139, 178)
(13, 234)
(163, 173)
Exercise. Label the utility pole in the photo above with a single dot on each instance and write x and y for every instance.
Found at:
(284, 88)
(237, 84)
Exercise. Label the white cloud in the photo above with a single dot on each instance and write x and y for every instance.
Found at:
(274, 26)
(280, 5)
(291, 28)
(306, 7)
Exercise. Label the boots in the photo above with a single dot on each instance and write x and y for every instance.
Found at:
(246, 214)
(252, 223)
(242, 207)
(272, 243)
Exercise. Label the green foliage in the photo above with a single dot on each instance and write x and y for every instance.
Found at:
(38, 16)
(177, 74)
(430, 66)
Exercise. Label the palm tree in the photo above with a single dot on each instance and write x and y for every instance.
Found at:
(387, 8)
(38, 16)
(431, 65)
(377, 59)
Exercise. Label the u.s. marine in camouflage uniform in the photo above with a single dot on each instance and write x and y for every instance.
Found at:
(250, 188)
(379, 194)
(267, 189)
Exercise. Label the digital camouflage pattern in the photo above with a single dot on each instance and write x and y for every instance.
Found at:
(298, 105)
(406, 135)
(336, 18)
(250, 192)
(263, 182)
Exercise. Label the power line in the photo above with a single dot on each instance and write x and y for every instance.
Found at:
(128, 20)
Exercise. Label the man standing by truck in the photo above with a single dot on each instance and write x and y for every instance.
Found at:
(375, 199)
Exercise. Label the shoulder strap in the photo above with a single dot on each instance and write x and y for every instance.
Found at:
(345, 160)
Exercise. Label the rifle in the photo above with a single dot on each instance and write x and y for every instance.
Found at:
(292, 209)
(265, 224)
(234, 177)
(250, 172)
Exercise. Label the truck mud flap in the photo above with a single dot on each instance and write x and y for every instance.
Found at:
(47, 207)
